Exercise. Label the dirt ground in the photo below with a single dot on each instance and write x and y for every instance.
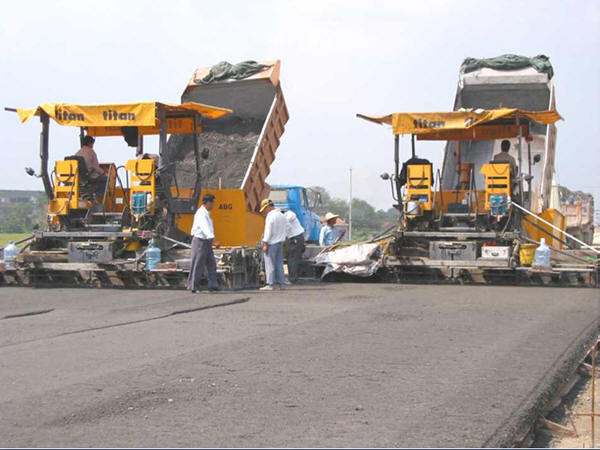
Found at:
(327, 365)
(577, 402)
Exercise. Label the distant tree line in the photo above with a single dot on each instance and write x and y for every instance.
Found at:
(23, 217)
(366, 220)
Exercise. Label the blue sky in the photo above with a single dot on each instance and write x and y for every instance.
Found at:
(338, 58)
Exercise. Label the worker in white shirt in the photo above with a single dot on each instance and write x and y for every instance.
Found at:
(273, 240)
(203, 238)
(295, 235)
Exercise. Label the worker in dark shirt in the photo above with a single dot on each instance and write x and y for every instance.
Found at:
(404, 171)
(504, 156)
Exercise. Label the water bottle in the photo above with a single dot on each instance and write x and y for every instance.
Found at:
(139, 203)
(10, 255)
(542, 255)
(152, 256)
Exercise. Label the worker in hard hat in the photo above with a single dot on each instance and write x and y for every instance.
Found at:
(329, 233)
(203, 239)
(272, 244)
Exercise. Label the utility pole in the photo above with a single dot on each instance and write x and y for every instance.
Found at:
(350, 209)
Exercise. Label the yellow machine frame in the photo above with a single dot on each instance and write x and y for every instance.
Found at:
(419, 184)
(66, 191)
(234, 224)
(66, 188)
(497, 180)
(142, 179)
(110, 202)
(532, 227)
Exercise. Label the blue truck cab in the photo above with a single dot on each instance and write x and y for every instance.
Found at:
(295, 198)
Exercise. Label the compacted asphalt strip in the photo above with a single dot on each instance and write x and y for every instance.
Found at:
(318, 365)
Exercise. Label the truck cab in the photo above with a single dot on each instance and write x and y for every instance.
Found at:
(295, 198)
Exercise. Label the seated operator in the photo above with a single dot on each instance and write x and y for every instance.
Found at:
(503, 156)
(95, 172)
(153, 156)
(404, 171)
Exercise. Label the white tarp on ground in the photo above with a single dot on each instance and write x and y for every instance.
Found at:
(362, 259)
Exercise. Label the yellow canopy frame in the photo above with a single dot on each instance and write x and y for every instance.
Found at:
(107, 120)
(472, 124)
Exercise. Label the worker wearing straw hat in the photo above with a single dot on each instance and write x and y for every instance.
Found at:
(273, 240)
(329, 234)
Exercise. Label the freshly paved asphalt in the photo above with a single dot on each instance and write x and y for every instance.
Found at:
(320, 365)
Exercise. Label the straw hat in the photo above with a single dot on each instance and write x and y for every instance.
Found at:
(263, 205)
(330, 216)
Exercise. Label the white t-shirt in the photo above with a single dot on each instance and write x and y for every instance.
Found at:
(275, 227)
(294, 227)
(202, 227)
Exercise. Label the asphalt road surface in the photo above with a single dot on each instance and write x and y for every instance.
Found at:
(320, 365)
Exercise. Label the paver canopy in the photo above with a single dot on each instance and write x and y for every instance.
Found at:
(108, 119)
(456, 125)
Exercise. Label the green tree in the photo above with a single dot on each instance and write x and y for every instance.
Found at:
(366, 220)
(327, 203)
(16, 219)
(23, 217)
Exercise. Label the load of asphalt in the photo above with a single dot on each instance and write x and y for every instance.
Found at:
(228, 148)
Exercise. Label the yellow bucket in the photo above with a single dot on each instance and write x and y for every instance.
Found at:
(133, 246)
(526, 253)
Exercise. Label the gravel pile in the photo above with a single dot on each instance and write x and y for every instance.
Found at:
(230, 149)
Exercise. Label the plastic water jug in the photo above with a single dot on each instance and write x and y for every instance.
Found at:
(152, 256)
(10, 255)
(498, 204)
(542, 255)
(139, 201)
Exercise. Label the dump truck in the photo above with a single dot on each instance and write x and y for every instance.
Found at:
(509, 81)
(578, 208)
(239, 149)
(526, 83)
(297, 199)
(101, 241)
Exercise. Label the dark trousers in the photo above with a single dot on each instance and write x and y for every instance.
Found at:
(294, 256)
(100, 183)
(203, 262)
